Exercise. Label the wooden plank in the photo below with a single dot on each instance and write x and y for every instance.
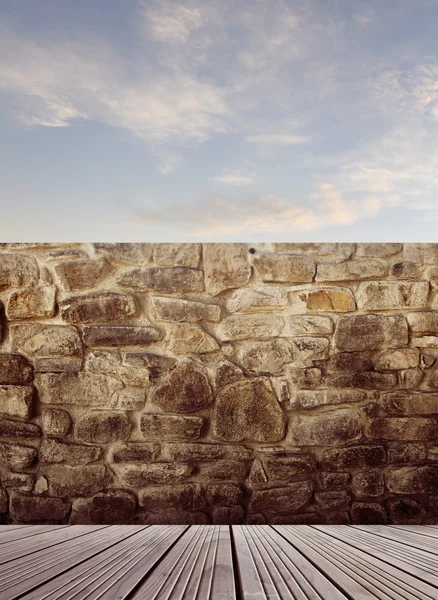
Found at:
(357, 574)
(420, 529)
(30, 571)
(115, 572)
(25, 532)
(199, 566)
(417, 562)
(410, 538)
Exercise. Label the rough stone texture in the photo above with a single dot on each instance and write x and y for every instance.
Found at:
(219, 383)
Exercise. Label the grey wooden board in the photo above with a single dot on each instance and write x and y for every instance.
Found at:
(218, 562)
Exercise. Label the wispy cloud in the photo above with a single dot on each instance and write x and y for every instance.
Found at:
(235, 178)
(278, 138)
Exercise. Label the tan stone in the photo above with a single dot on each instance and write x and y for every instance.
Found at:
(282, 499)
(83, 389)
(308, 349)
(308, 325)
(121, 335)
(18, 481)
(324, 299)
(188, 338)
(102, 427)
(425, 341)
(377, 250)
(224, 469)
(166, 280)
(248, 410)
(31, 303)
(413, 480)
(244, 326)
(333, 252)
(306, 399)
(400, 358)
(269, 356)
(98, 306)
(283, 466)
(11, 428)
(107, 508)
(223, 494)
(57, 364)
(135, 254)
(17, 456)
(258, 298)
(135, 452)
(37, 339)
(17, 270)
(226, 267)
(157, 426)
(52, 451)
(66, 481)
(371, 380)
(423, 322)
(405, 270)
(203, 452)
(78, 275)
(386, 295)
(225, 372)
(423, 254)
(15, 369)
(186, 496)
(334, 427)
(284, 268)
(55, 421)
(303, 378)
(16, 401)
(370, 332)
(155, 473)
(351, 270)
(177, 255)
(190, 311)
(411, 403)
(367, 484)
(41, 486)
(402, 428)
(186, 389)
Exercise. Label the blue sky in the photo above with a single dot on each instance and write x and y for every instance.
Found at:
(219, 120)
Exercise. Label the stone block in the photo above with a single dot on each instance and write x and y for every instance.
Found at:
(370, 332)
(413, 403)
(55, 421)
(162, 427)
(177, 255)
(121, 335)
(233, 470)
(169, 280)
(102, 427)
(16, 401)
(245, 326)
(352, 458)
(324, 299)
(189, 311)
(307, 399)
(82, 389)
(17, 456)
(79, 275)
(67, 481)
(406, 453)
(402, 428)
(284, 268)
(52, 451)
(204, 452)
(223, 494)
(136, 452)
(185, 496)
(424, 323)
(137, 476)
(397, 358)
(377, 250)
(106, 508)
(189, 338)
(18, 270)
(98, 306)
(351, 270)
(423, 254)
(331, 481)
(281, 499)
(269, 356)
(364, 513)
(258, 298)
(284, 466)
(368, 484)
(31, 509)
(413, 480)
(185, 390)
(308, 325)
(334, 427)
(387, 295)
(40, 340)
(332, 500)
(32, 303)
(226, 267)
(368, 380)
(129, 253)
(10, 428)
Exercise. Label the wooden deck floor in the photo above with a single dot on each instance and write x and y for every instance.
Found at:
(204, 562)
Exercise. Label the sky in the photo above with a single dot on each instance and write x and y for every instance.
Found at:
(219, 120)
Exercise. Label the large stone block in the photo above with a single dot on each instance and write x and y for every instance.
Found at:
(368, 484)
(412, 403)
(32, 509)
(10, 428)
(268, 356)
(107, 508)
(412, 452)
(335, 427)
(324, 299)
(102, 427)
(52, 451)
(386, 295)
(17, 401)
(377, 250)
(399, 358)
(134, 254)
(413, 480)
(248, 410)
(38, 339)
(305, 399)
(330, 251)
(405, 270)
(189, 311)
(67, 481)
(177, 255)
(223, 494)
(364, 513)
(350, 361)
(188, 338)
(370, 380)
(352, 458)
(158, 426)
(284, 466)
(402, 428)
(351, 270)
(258, 298)
(78, 275)
(302, 378)
(186, 496)
(233, 470)
(226, 267)
(244, 326)
(82, 389)
(135, 452)
(136, 476)
(18, 270)
(423, 254)
(308, 349)
(308, 325)
(186, 389)
(32, 303)
(370, 332)
(17, 456)
(282, 499)
(121, 335)
(204, 452)
(423, 322)
(284, 268)
(165, 280)
(55, 421)
(98, 306)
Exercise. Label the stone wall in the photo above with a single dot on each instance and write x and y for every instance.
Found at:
(219, 383)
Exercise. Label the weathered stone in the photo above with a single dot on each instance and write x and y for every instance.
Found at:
(78, 275)
(284, 268)
(224, 515)
(258, 298)
(31, 509)
(413, 403)
(399, 358)
(334, 252)
(308, 325)
(159, 426)
(121, 335)
(282, 499)
(66, 481)
(325, 299)
(37, 339)
(308, 349)
(377, 250)
(354, 457)
(226, 267)
(135, 254)
(3, 501)
(52, 451)
(188, 338)
(425, 341)
(83, 389)
(225, 372)
(370, 332)
(165, 280)
(186, 390)
(204, 452)
(257, 476)
(268, 356)
(41, 486)
(349, 361)
(423, 322)
(404, 511)
(255, 519)
(282, 466)
(304, 399)
(177, 255)
(224, 469)
(16, 456)
(331, 500)
(55, 421)
(189, 311)
(244, 326)
(106, 508)
(172, 517)
(16, 401)
(186, 496)
(102, 427)
(423, 254)
(223, 494)
(329, 428)
(15, 369)
(405, 270)
(367, 484)
(248, 410)
(98, 306)
(160, 472)
(351, 270)
(402, 428)
(303, 378)
(406, 453)
(64, 254)
(18, 481)
(64, 364)
(10, 428)
(371, 380)
(363, 513)
(385, 295)
(31, 303)
(431, 273)
(136, 452)
(17, 270)
(156, 365)
(330, 481)
(426, 361)
(413, 480)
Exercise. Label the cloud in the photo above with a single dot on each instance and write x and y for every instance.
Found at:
(235, 178)
(278, 138)
(172, 22)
